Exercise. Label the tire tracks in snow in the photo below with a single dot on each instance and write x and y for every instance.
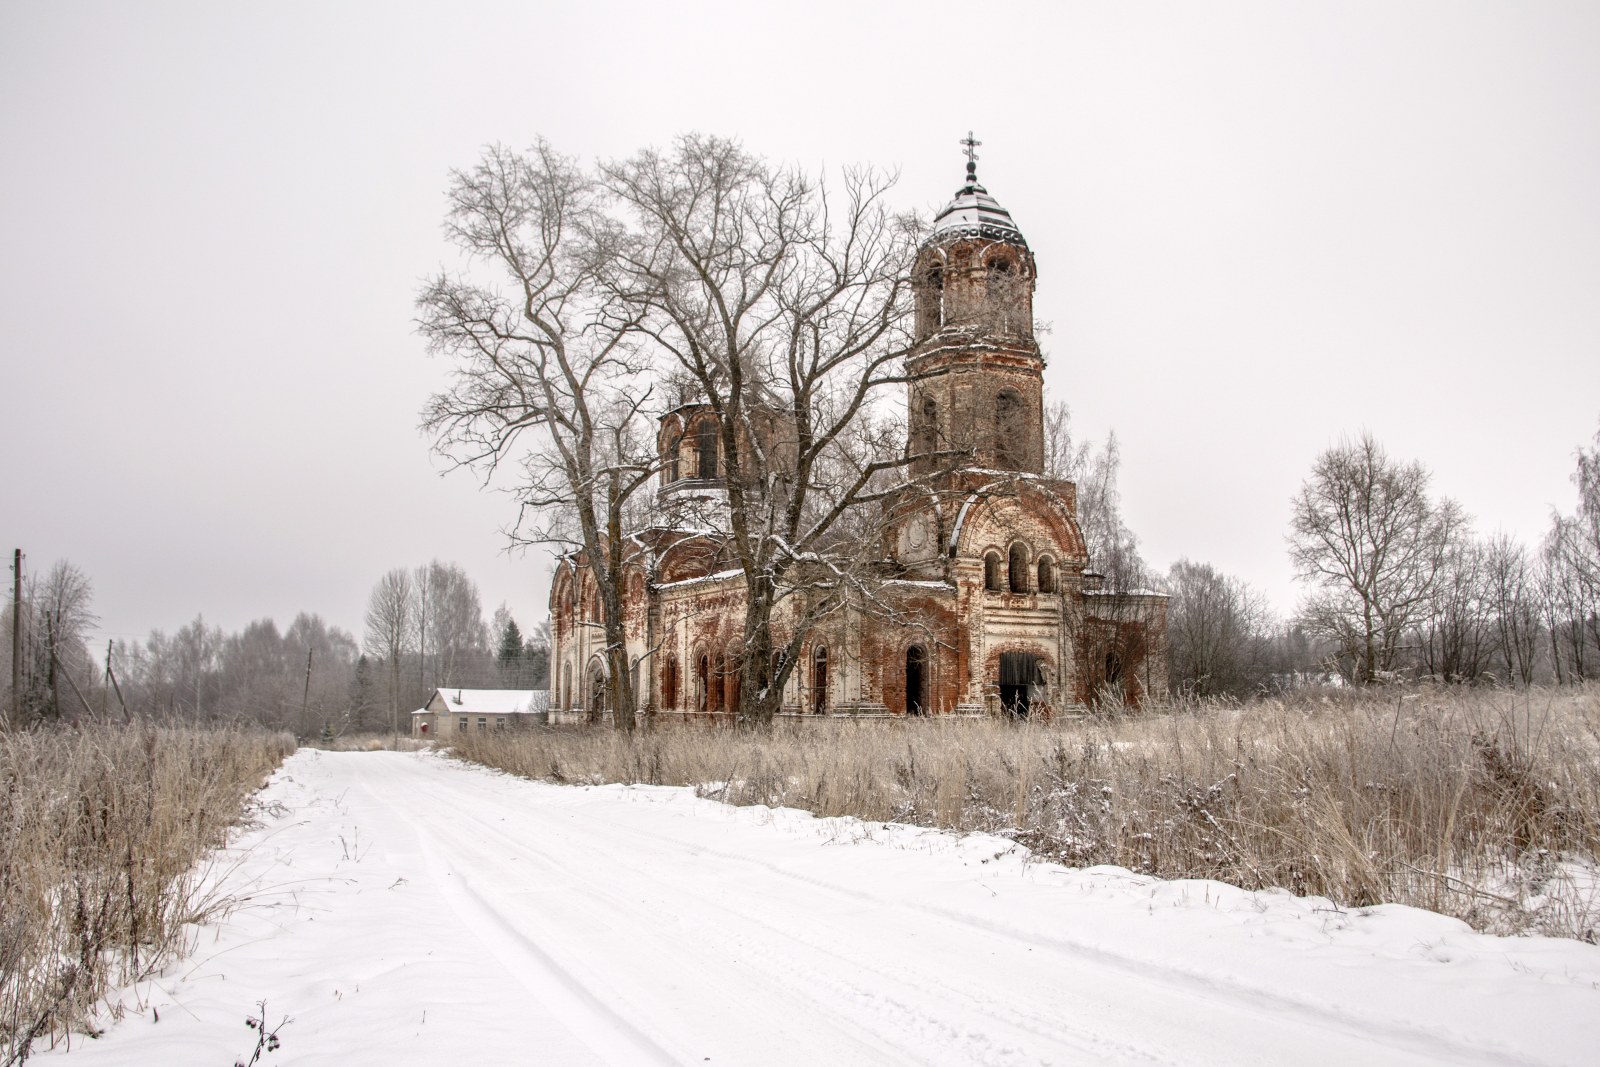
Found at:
(1434, 1045)
(733, 932)
(975, 1011)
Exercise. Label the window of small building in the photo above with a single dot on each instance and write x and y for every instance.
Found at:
(991, 572)
(499, 722)
(1018, 568)
(461, 726)
(1047, 575)
(483, 724)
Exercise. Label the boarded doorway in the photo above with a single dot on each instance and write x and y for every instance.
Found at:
(1019, 675)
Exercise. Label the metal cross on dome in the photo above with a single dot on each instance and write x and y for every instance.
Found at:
(971, 144)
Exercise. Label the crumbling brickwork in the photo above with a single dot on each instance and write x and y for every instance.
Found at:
(987, 604)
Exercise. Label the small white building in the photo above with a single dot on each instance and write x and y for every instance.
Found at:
(453, 712)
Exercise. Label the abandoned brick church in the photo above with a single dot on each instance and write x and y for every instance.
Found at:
(995, 606)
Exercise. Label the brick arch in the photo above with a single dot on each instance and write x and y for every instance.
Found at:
(992, 518)
(1045, 659)
(690, 558)
(703, 437)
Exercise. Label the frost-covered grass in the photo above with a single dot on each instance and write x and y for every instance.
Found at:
(101, 833)
(1480, 804)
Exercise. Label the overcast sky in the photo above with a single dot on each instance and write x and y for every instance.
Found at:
(1258, 227)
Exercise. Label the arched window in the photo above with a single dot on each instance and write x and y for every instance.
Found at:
(991, 572)
(819, 679)
(1047, 575)
(669, 457)
(669, 683)
(930, 309)
(925, 427)
(1018, 569)
(706, 448)
(1113, 668)
(702, 678)
(1008, 428)
(1002, 292)
(719, 675)
(999, 275)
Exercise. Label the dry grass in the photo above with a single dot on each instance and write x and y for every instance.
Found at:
(370, 741)
(1480, 804)
(101, 834)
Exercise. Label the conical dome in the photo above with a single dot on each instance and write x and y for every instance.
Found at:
(974, 213)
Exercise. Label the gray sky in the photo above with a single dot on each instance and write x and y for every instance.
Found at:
(1258, 227)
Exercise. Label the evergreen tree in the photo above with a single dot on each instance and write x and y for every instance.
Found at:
(510, 655)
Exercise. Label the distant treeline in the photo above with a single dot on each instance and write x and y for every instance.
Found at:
(311, 678)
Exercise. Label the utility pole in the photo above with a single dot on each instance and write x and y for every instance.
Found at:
(105, 695)
(305, 698)
(16, 636)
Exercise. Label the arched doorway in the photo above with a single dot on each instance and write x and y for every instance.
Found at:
(916, 689)
(819, 680)
(1019, 674)
(595, 704)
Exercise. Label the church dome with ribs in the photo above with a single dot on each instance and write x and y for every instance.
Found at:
(974, 213)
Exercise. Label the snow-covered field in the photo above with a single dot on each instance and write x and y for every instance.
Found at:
(403, 908)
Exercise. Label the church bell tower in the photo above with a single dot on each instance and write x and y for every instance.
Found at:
(978, 375)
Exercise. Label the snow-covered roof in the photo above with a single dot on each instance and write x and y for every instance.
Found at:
(916, 583)
(974, 213)
(720, 576)
(487, 701)
(1127, 592)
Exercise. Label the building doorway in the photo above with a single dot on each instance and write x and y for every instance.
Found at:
(596, 705)
(1019, 674)
(915, 673)
(819, 680)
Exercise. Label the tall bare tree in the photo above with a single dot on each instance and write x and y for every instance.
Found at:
(1456, 638)
(57, 616)
(1511, 590)
(1374, 546)
(784, 301)
(1113, 547)
(1572, 575)
(389, 629)
(545, 376)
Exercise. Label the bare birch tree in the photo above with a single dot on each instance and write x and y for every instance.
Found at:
(785, 302)
(545, 379)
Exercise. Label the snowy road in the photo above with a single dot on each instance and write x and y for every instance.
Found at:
(409, 909)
